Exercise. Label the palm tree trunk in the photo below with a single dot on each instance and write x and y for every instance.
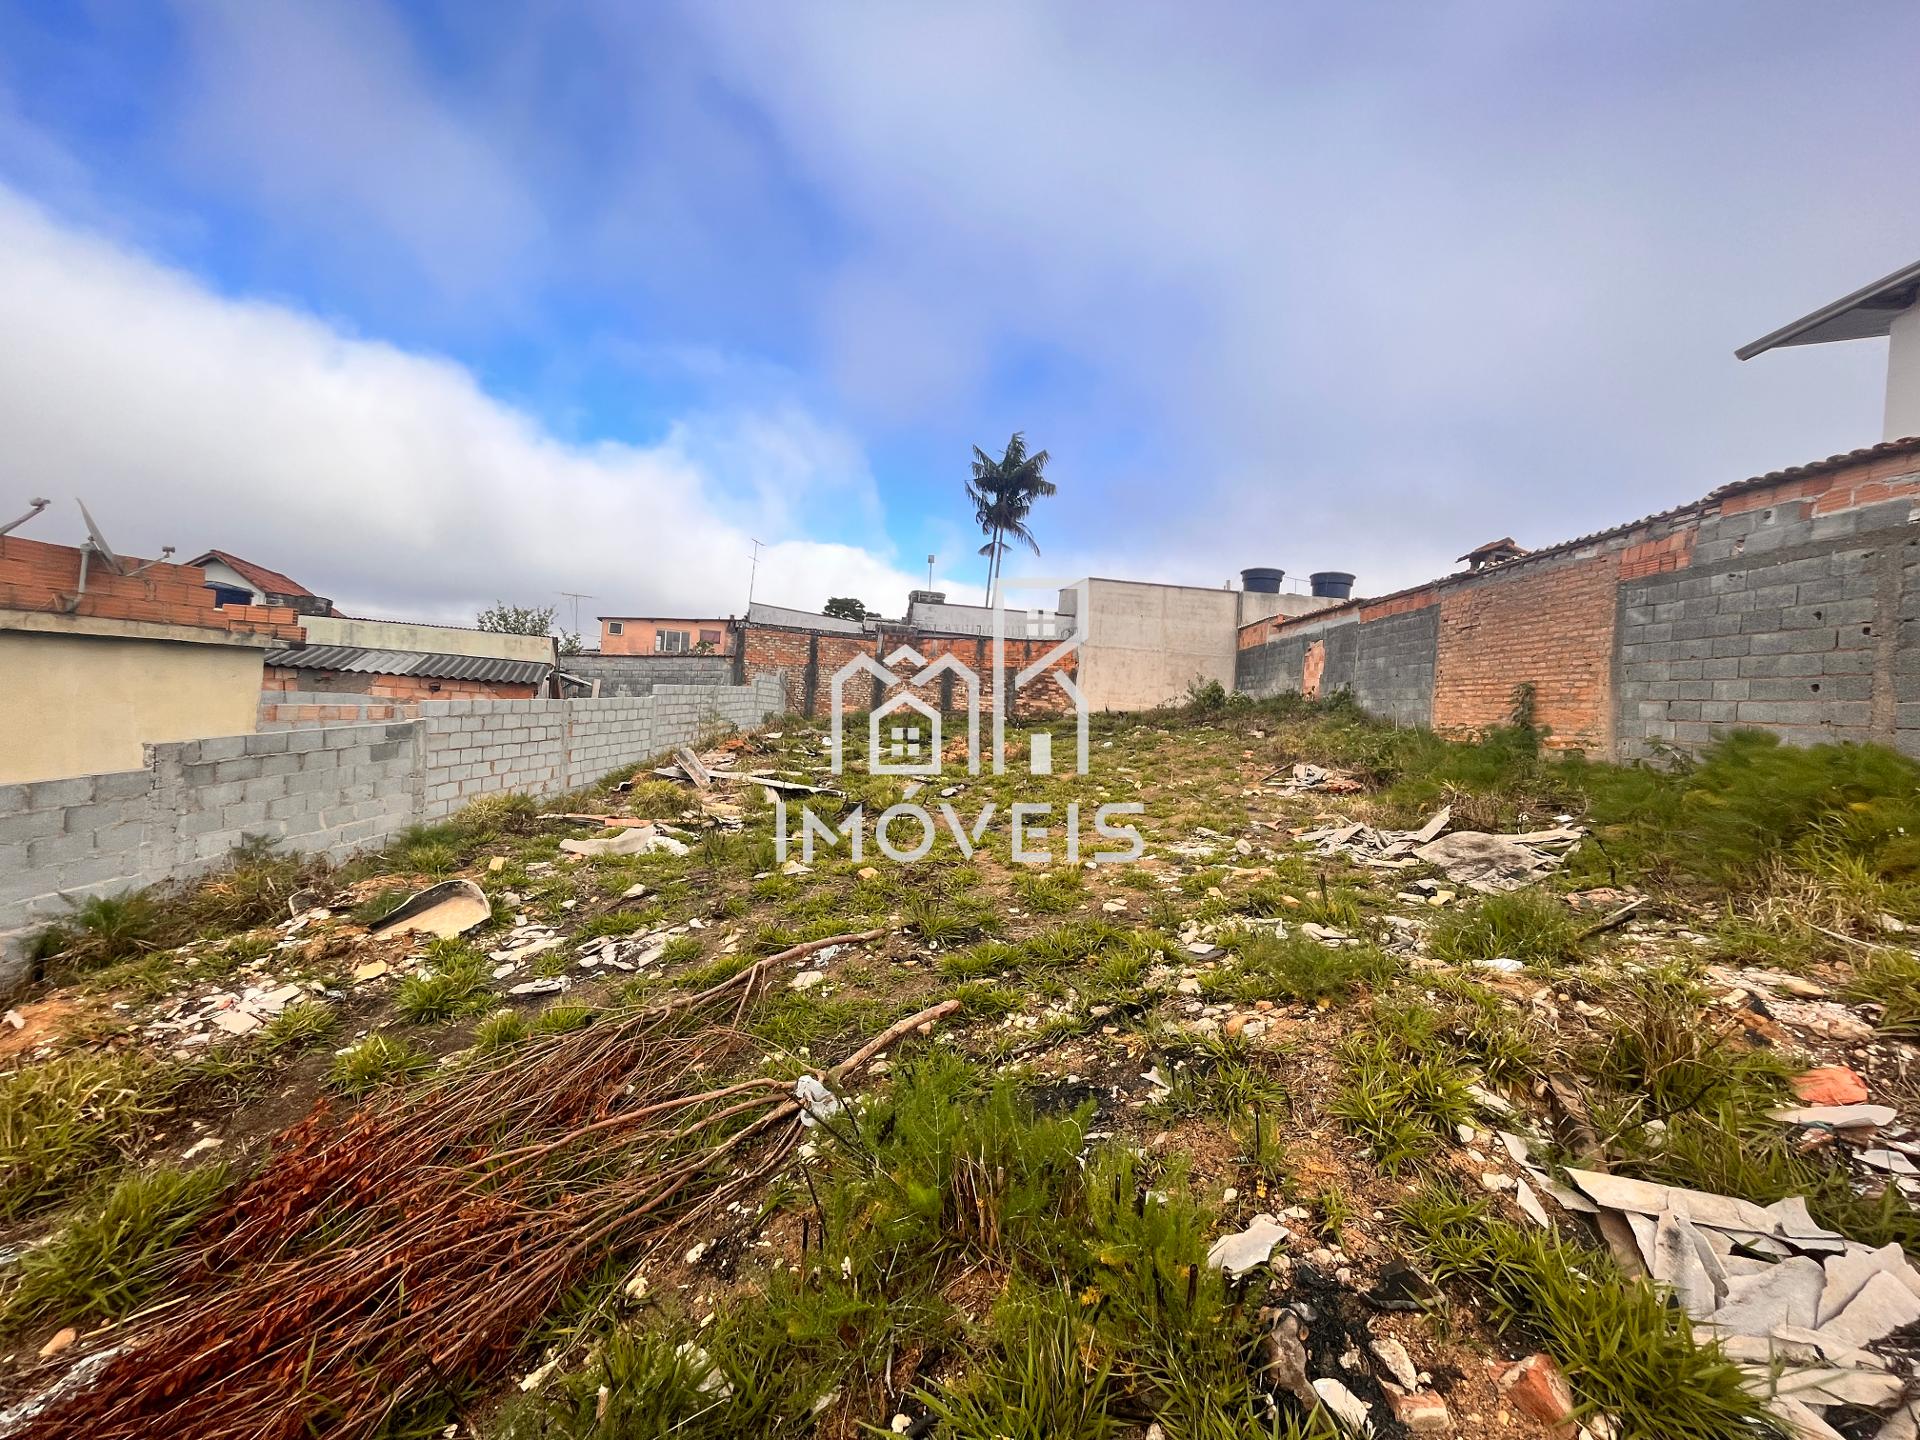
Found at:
(993, 563)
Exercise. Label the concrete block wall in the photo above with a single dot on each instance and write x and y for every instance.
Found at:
(632, 675)
(327, 789)
(1788, 603)
(1782, 620)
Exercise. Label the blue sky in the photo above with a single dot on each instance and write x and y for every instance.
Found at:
(435, 303)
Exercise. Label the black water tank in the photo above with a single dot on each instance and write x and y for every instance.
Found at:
(1331, 584)
(1261, 581)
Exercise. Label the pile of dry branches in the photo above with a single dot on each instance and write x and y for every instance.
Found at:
(408, 1247)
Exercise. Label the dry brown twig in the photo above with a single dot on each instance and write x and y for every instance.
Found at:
(386, 1256)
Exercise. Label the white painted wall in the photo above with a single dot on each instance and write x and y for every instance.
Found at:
(1146, 643)
(1903, 376)
(218, 572)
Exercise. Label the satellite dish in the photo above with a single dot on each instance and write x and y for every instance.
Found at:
(98, 542)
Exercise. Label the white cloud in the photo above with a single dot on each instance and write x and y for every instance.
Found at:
(384, 478)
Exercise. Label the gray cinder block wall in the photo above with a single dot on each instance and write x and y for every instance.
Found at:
(631, 675)
(1788, 603)
(328, 789)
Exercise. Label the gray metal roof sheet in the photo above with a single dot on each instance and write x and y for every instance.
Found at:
(359, 660)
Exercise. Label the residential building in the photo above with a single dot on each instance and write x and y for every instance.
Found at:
(1889, 307)
(649, 635)
(234, 581)
(134, 654)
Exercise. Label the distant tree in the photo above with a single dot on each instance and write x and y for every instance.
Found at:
(504, 619)
(1003, 492)
(845, 607)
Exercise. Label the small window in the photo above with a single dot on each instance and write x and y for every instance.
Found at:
(613, 627)
(670, 642)
(709, 637)
(225, 595)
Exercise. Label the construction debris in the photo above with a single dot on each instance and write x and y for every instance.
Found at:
(1473, 858)
(1793, 1304)
(1319, 777)
(450, 908)
(640, 839)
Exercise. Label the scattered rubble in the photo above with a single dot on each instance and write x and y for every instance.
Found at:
(450, 908)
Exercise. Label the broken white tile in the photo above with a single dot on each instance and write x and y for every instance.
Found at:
(1848, 1273)
(1882, 1307)
(1530, 1205)
(1248, 1250)
(1786, 1294)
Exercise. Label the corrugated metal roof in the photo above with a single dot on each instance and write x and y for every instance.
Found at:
(358, 660)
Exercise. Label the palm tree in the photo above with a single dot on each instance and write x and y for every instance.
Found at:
(1003, 492)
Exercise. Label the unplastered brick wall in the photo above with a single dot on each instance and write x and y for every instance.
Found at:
(1549, 626)
(806, 662)
(42, 577)
(1788, 603)
(324, 788)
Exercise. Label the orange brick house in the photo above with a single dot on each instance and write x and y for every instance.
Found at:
(649, 635)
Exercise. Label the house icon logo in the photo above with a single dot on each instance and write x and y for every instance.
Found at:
(904, 722)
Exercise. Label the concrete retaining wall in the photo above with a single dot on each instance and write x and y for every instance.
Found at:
(327, 789)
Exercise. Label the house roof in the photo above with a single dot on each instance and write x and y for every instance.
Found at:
(359, 660)
(1867, 311)
(268, 582)
(1885, 449)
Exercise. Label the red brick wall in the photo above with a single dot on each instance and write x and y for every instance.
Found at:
(38, 576)
(1550, 624)
(282, 679)
(767, 648)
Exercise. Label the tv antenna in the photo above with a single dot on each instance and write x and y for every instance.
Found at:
(576, 597)
(96, 545)
(36, 506)
(754, 573)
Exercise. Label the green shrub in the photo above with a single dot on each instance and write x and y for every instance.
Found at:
(113, 1252)
(64, 1120)
(374, 1062)
(1527, 925)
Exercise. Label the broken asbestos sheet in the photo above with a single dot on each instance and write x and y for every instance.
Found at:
(633, 840)
(452, 907)
(1473, 858)
(1793, 1304)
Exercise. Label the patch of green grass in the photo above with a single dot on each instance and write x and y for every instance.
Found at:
(302, 1025)
(1662, 1055)
(1050, 892)
(561, 1018)
(681, 950)
(1042, 1379)
(1401, 1100)
(65, 1121)
(621, 922)
(382, 902)
(1625, 1351)
(459, 982)
(1528, 925)
(501, 1030)
(1891, 980)
(113, 1252)
(941, 918)
(987, 1002)
(1298, 969)
(374, 1062)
